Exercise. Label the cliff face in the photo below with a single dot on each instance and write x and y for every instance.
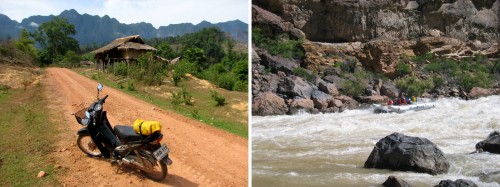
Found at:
(362, 52)
(363, 20)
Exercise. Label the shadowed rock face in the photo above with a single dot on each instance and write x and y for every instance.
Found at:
(392, 181)
(457, 183)
(491, 144)
(348, 21)
(406, 153)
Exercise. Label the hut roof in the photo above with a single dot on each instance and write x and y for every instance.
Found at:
(129, 42)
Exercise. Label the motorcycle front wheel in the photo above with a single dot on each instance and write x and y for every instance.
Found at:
(88, 146)
(158, 171)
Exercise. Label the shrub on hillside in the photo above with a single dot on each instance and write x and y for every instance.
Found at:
(281, 44)
(402, 69)
(218, 98)
(301, 72)
(120, 69)
(413, 86)
(352, 88)
(480, 79)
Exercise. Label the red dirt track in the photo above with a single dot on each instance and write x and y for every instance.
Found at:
(202, 155)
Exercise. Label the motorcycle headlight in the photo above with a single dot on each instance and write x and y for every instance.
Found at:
(97, 107)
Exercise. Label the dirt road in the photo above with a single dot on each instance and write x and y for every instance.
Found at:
(202, 155)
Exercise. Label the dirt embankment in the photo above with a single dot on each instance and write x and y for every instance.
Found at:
(202, 155)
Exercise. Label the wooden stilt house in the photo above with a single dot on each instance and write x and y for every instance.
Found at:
(121, 49)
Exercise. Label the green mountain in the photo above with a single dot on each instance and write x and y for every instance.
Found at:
(100, 30)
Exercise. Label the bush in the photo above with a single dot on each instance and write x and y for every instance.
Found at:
(121, 68)
(301, 72)
(445, 66)
(479, 79)
(241, 86)
(195, 114)
(176, 78)
(414, 87)
(402, 69)
(218, 98)
(349, 65)
(422, 58)
(176, 99)
(352, 88)
(186, 96)
(4, 87)
(182, 96)
(131, 85)
(281, 44)
(438, 81)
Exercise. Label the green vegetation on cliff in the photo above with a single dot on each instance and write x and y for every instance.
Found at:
(282, 44)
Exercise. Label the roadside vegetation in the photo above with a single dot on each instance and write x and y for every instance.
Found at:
(192, 99)
(25, 146)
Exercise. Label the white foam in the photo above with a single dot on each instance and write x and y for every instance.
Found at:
(345, 138)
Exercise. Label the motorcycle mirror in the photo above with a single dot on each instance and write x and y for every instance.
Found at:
(99, 87)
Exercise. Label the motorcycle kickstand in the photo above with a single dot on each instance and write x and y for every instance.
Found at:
(120, 164)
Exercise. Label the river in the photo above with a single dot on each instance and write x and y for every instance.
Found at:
(331, 149)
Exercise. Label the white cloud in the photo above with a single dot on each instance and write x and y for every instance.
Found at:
(157, 12)
(33, 24)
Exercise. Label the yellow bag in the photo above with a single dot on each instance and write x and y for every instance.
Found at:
(147, 127)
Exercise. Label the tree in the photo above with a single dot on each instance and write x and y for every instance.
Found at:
(55, 38)
(197, 56)
(25, 43)
(165, 51)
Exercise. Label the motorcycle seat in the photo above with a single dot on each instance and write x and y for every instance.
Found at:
(127, 134)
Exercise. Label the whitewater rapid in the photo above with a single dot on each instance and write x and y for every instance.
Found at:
(330, 149)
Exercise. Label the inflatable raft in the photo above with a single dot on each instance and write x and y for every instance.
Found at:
(421, 104)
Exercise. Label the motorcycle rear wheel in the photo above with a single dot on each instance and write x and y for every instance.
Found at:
(88, 146)
(158, 172)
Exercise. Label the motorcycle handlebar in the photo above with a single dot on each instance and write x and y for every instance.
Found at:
(103, 99)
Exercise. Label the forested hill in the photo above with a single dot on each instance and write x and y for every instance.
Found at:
(99, 30)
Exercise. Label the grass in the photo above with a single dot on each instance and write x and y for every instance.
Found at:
(27, 139)
(202, 109)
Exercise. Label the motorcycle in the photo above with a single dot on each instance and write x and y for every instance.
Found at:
(121, 144)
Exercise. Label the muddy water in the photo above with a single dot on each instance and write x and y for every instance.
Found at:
(330, 149)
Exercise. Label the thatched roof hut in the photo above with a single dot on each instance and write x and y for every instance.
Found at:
(125, 48)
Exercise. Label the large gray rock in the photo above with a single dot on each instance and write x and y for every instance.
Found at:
(278, 63)
(457, 183)
(389, 90)
(392, 181)
(374, 99)
(328, 88)
(478, 92)
(268, 103)
(273, 24)
(321, 100)
(490, 144)
(263, 81)
(406, 153)
(294, 87)
(297, 105)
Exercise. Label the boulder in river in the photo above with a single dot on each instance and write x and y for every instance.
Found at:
(392, 181)
(491, 144)
(457, 183)
(406, 153)
(268, 103)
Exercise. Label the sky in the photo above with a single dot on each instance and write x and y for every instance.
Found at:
(156, 12)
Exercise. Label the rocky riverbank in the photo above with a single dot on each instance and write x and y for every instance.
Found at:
(323, 57)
